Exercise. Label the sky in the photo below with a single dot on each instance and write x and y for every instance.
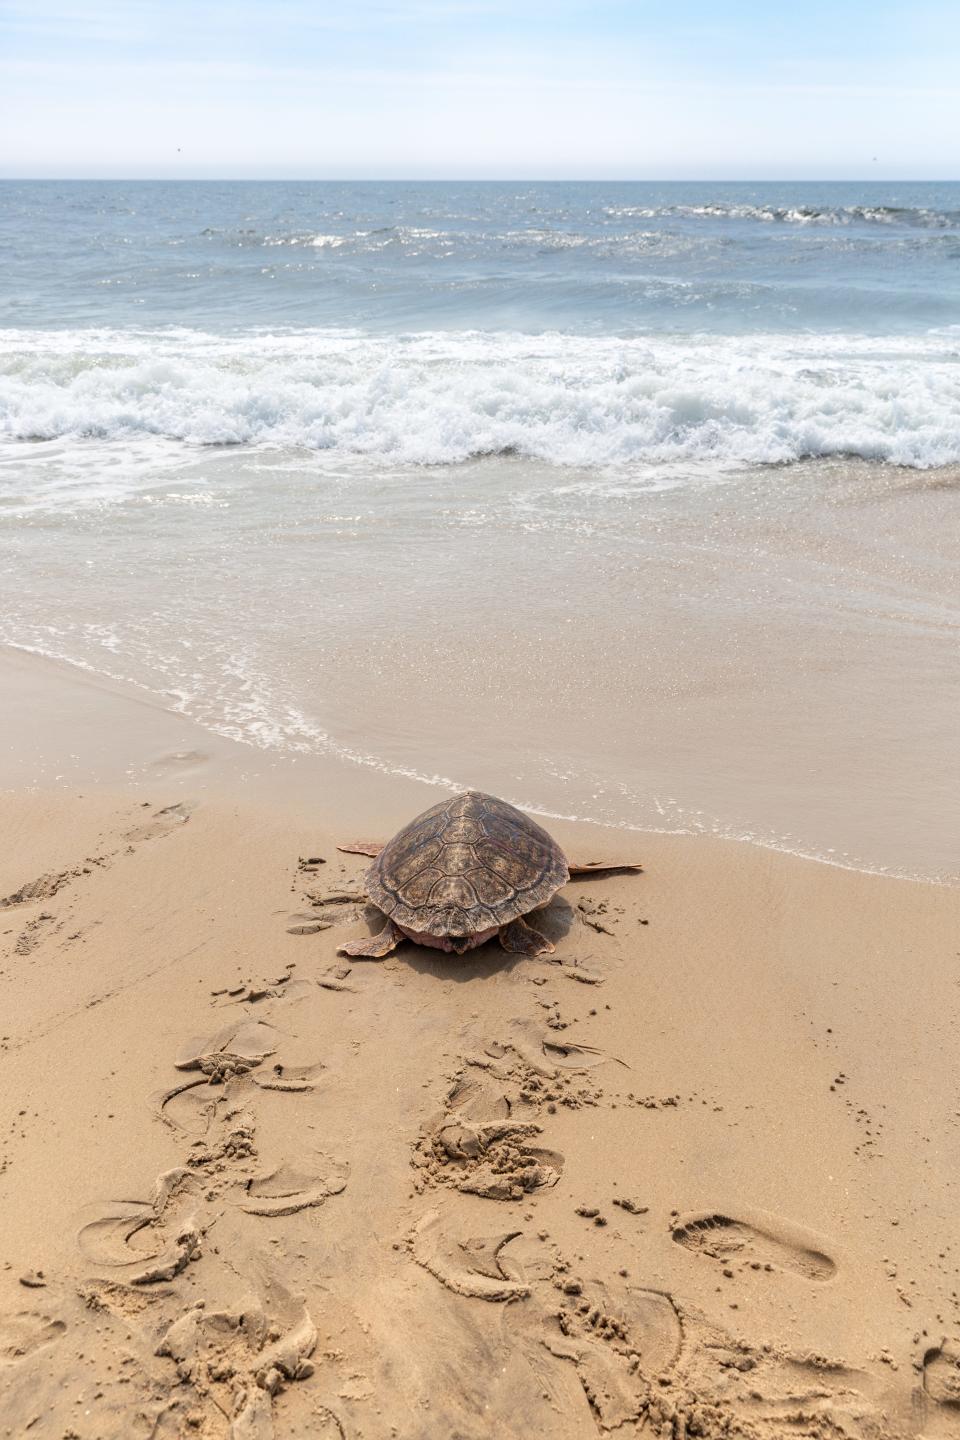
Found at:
(464, 89)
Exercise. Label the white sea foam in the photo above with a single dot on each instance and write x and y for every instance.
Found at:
(443, 398)
(920, 217)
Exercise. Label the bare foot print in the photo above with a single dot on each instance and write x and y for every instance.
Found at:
(161, 822)
(179, 761)
(762, 1242)
(24, 1331)
(941, 1373)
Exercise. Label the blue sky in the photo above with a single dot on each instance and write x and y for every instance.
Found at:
(480, 88)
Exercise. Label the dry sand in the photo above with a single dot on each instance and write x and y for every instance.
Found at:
(695, 1174)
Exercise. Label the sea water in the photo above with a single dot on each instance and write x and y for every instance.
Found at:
(633, 502)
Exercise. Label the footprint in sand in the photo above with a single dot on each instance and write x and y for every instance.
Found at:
(482, 1144)
(290, 1078)
(567, 1056)
(941, 1373)
(472, 1266)
(341, 906)
(125, 1301)
(179, 761)
(289, 1188)
(24, 1331)
(474, 1097)
(43, 888)
(305, 923)
(245, 1042)
(276, 987)
(189, 1107)
(235, 1362)
(619, 1340)
(35, 933)
(161, 822)
(617, 1337)
(545, 1053)
(762, 1242)
(233, 1053)
(151, 1240)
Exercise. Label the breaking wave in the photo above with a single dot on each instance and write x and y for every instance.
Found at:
(915, 216)
(435, 398)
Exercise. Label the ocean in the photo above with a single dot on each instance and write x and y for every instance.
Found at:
(631, 502)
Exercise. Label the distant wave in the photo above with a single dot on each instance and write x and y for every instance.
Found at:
(438, 398)
(796, 214)
(566, 233)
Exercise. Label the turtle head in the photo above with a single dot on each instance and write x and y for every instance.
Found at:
(460, 944)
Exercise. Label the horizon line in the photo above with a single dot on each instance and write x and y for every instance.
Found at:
(484, 179)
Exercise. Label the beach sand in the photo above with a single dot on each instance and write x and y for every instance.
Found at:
(694, 1174)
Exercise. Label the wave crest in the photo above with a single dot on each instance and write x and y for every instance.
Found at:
(915, 216)
(434, 398)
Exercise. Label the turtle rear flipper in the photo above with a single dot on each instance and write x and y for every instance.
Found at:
(521, 939)
(601, 867)
(373, 947)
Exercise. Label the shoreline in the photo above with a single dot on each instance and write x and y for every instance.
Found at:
(756, 1055)
(63, 687)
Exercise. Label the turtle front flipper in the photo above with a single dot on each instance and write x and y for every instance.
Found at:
(361, 847)
(374, 947)
(601, 867)
(521, 939)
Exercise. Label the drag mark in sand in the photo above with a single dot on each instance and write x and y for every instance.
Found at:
(63, 1019)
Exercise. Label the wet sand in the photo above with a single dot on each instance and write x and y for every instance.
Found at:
(694, 1174)
(768, 653)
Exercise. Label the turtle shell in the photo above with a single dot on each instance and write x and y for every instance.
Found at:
(469, 864)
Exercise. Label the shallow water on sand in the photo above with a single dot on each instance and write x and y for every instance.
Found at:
(768, 653)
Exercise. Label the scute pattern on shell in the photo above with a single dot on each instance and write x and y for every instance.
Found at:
(466, 865)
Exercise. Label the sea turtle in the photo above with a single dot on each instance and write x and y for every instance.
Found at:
(465, 870)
